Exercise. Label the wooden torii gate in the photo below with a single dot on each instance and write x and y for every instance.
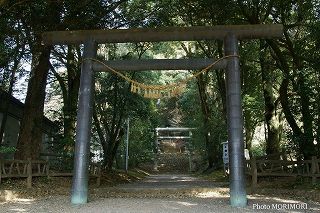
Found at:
(230, 34)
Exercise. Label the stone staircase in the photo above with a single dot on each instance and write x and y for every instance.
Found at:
(173, 162)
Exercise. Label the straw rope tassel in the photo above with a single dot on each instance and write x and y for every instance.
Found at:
(146, 93)
(154, 91)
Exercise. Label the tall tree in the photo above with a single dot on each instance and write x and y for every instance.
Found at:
(69, 86)
(33, 16)
(12, 55)
(84, 15)
(287, 52)
(114, 103)
(56, 16)
(252, 98)
(273, 116)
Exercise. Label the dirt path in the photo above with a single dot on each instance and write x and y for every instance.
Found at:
(160, 193)
(172, 182)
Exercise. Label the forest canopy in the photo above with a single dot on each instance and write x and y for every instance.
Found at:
(279, 77)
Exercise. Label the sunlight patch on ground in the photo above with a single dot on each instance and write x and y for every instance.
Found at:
(176, 205)
(218, 193)
(24, 201)
(18, 210)
(187, 203)
(13, 197)
(8, 195)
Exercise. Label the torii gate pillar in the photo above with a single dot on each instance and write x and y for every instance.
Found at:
(237, 179)
(79, 191)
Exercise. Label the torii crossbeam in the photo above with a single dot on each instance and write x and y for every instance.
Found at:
(230, 34)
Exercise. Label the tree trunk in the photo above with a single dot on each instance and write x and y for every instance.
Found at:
(249, 132)
(71, 99)
(112, 151)
(305, 137)
(108, 153)
(273, 121)
(318, 121)
(221, 82)
(211, 152)
(273, 118)
(318, 129)
(307, 147)
(30, 135)
(110, 140)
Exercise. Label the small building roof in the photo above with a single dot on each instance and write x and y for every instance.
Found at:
(16, 109)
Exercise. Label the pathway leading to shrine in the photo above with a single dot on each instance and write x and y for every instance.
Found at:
(172, 182)
(161, 193)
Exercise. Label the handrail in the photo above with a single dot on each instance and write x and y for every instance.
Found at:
(267, 167)
(35, 168)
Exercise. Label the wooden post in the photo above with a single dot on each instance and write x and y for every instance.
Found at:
(254, 173)
(98, 175)
(48, 169)
(156, 151)
(127, 144)
(29, 173)
(39, 168)
(314, 166)
(0, 170)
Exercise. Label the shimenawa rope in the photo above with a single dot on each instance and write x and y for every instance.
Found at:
(158, 91)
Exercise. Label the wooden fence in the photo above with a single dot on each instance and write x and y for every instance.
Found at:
(283, 168)
(36, 168)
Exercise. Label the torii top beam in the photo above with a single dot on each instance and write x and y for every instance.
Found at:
(174, 129)
(159, 64)
(261, 31)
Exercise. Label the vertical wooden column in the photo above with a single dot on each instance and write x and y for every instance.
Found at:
(0, 170)
(127, 144)
(238, 197)
(79, 193)
(156, 152)
(314, 166)
(254, 173)
(29, 173)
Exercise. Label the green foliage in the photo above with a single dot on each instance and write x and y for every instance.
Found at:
(7, 149)
(140, 141)
(63, 152)
(148, 13)
(114, 103)
(297, 60)
(193, 117)
(258, 150)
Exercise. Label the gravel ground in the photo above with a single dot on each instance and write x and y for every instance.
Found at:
(138, 205)
(160, 193)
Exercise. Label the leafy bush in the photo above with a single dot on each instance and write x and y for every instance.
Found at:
(258, 150)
